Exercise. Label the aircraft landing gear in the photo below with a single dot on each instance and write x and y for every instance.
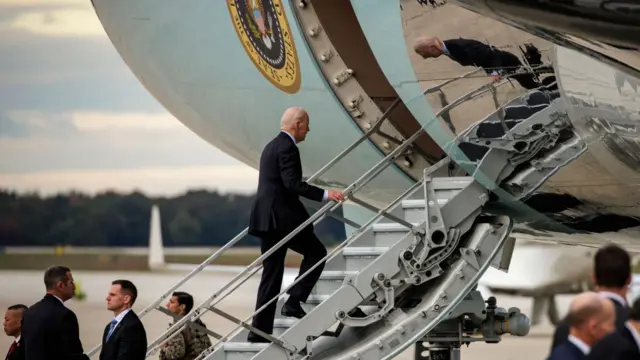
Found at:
(471, 321)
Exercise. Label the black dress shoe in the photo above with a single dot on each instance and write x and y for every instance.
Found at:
(293, 309)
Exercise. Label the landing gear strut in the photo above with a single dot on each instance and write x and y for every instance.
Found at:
(471, 322)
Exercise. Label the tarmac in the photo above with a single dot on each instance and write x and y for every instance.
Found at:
(27, 287)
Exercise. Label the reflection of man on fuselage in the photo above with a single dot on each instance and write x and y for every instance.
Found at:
(469, 52)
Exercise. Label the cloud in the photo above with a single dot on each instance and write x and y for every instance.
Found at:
(151, 180)
(42, 3)
(27, 123)
(72, 115)
(51, 17)
(97, 121)
(39, 141)
(57, 73)
(62, 22)
(22, 6)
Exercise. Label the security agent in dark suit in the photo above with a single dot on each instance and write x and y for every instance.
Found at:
(49, 329)
(622, 344)
(469, 52)
(611, 278)
(124, 337)
(12, 326)
(590, 319)
(277, 211)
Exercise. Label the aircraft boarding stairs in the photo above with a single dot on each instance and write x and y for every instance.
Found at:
(411, 276)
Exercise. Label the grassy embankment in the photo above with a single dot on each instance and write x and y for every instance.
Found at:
(236, 257)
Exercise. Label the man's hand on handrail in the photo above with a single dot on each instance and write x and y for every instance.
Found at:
(335, 195)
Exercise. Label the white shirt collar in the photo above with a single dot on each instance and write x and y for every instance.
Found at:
(121, 316)
(291, 136)
(615, 297)
(579, 344)
(18, 338)
(634, 333)
(58, 299)
(445, 50)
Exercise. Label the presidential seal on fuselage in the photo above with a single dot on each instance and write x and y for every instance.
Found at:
(265, 35)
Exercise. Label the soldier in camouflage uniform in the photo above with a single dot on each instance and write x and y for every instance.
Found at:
(190, 342)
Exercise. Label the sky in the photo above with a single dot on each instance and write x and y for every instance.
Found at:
(74, 117)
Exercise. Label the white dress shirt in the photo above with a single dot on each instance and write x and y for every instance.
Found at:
(120, 317)
(615, 297)
(579, 344)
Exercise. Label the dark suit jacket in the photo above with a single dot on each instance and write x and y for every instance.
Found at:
(50, 332)
(619, 345)
(17, 353)
(469, 52)
(277, 208)
(562, 329)
(566, 351)
(127, 342)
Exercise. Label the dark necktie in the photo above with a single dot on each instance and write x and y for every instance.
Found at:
(13, 346)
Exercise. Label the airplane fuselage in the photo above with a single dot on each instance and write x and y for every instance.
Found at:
(228, 69)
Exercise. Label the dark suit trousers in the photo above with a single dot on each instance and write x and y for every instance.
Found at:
(307, 245)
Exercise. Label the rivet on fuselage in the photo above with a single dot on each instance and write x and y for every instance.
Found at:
(326, 56)
(342, 76)
(353, 103)
(314, 31)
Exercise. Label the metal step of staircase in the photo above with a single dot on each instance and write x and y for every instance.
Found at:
(359, 264)
(241, 350)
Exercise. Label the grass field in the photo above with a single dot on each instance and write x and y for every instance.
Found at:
(236, 257)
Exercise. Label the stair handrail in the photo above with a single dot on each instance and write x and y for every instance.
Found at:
(244, 232)
(449, 81)
(357, 233)
(352, 238)
(383, 164)
(330, 206)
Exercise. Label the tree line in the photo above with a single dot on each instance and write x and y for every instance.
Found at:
(195, 218)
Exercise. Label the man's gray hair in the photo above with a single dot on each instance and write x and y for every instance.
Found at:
(291, 116)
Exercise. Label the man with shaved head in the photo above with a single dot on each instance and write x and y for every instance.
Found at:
(622, 344)
(469, 52)
(278, 211)
(611, 276)
(591, 317)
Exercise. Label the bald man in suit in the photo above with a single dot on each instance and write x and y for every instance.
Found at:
(622, 344)
(591, 318)
(277, 211)
(470, 52)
